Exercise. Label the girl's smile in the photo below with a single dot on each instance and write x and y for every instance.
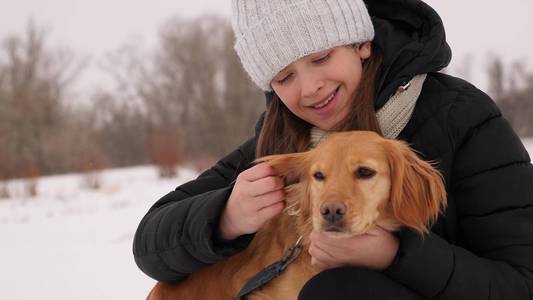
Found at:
(327, 105)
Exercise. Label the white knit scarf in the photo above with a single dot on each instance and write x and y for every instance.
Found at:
(393, 116)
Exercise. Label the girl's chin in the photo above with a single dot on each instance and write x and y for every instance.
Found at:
(326, 126)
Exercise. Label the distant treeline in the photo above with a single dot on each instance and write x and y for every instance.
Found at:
(512, 89)
(189, 100)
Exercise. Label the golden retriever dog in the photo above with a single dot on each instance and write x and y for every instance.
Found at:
(347, 184)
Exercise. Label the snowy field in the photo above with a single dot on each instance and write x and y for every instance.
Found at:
(73, 243)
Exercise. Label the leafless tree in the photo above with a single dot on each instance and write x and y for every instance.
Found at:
(496, 75)
(200, 76)
(33, 86)
(514, 99)
(192, 86)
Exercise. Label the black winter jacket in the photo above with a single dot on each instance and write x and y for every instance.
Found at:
(480, 248)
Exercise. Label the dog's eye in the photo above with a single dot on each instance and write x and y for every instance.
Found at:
(319, 176)
(365, 173)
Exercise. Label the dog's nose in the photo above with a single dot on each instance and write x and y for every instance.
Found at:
(333, 212)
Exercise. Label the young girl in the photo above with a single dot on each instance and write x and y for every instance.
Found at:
(335, 65)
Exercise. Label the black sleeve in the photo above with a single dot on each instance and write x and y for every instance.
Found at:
(178, 234)
(492, 186)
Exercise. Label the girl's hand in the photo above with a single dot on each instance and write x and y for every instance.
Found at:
(375, 250)
(257, 197)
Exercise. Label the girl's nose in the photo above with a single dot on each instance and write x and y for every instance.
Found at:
(311, 83)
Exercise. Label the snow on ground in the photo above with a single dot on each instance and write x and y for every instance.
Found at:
(74, 243)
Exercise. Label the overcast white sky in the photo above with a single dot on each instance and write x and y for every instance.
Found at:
(95, 27)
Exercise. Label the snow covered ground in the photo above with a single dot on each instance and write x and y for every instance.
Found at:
(74, 243)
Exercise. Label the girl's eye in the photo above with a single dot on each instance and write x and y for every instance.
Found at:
(284, 79)
(321, 59)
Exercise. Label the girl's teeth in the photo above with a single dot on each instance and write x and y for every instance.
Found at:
(320, 105)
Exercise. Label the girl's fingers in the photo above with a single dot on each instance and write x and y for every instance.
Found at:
(376, 230)
(323, 265)
(319, 253)
(317, 263)
(257, 172)
(269, 199)
(324, 241)
(265, 185)
(271, 211)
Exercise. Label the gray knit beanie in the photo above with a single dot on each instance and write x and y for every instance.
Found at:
(271, 34)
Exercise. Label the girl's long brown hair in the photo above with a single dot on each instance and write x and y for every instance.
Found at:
(283, 132)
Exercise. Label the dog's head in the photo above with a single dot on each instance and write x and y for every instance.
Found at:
(354, 180)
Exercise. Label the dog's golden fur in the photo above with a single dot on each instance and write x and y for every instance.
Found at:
(379, 181)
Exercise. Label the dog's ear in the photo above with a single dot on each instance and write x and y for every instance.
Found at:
(417, 194)
(293, 167)
(290, 166)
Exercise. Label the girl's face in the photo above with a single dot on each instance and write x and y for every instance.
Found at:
(319, 87)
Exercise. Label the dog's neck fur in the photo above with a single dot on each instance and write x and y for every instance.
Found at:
(270, 244)
(282, 232)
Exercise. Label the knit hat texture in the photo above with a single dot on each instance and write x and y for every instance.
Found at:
(271, 34)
